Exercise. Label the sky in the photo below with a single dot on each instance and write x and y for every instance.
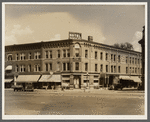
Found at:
(108, 24)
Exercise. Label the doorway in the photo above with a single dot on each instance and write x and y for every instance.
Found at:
(77, 82)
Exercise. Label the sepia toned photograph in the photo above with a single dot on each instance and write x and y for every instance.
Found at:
(74, 60)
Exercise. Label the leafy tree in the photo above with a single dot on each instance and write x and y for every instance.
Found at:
(125, 45)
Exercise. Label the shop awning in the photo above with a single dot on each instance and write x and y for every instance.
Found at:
(8, 67)
(50, 78)
(8, 80)
(125, 77)
(27, 78)
(136, 79)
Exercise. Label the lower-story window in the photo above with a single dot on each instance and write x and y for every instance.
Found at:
(29, 68)
(22, 68)
(36, 68)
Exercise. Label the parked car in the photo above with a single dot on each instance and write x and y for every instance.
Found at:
(18, 88)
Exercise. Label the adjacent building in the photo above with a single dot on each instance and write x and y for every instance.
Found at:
(73, 63)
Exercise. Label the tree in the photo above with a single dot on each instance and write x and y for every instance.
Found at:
(125, 45)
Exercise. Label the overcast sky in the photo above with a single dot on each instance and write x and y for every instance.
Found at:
(107, 24)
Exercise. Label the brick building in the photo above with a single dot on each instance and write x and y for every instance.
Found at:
(72, 63)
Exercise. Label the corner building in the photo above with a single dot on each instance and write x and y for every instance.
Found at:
(73, 63)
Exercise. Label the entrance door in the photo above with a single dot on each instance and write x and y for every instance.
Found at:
(77, 82)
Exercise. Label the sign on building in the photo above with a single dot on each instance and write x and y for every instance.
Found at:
(74, 35)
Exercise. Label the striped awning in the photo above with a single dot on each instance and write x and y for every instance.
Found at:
(136, 79)
(8, 80)
(50, 78)
(8, 67)
(125, 77)
(27, 78)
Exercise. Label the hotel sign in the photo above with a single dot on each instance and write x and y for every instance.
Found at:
(74, 35)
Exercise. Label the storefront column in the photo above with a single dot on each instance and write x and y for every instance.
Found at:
(91, 80)
(14, 80)
(71, 82)
(82, 80)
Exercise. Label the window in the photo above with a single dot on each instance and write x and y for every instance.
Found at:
(77, 52)
(118, 58)
(46, 67)
(58, 53)
(58, 66)
(101, 68)
(77, 66)
(135, 60)
(86, 53)
(135, 70)
(64, 53)
(37, 55)
(106, 56)
(68, 66)
(130, 70)
(126, 70)
(9, 57)
(17, 56)
(101, 55)
(50, 65)
(138, 61)
(17, 68)
(127, 59)
(139, 70)
(114, 57)
(29, 56)
(95, 67)
(22, 56)
(112, 68)
(119, 69)
(29, 68)
(64, 66)
(86, 66)
(46, 54)
(51, 54)
(68, 53)
(111, 57)
(106, 68)
(132, 60)
(95, 54)
(22, 68)
(36, 68)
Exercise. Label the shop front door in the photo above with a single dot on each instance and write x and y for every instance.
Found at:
(77, 82)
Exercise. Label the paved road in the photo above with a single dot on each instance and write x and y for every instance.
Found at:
(98, 102)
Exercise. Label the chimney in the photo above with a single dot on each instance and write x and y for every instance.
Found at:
(90, 38)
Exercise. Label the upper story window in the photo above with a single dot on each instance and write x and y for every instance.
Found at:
(132, 60)
(86, 66)
(127, 59)
(86, 53)
(101, 68)
(37, 55)
(51, 54)
(64, 66)
(29, 68)
(77, 66)
(130, 70)
(112, 68)
(106, 56)
(95, 54)
(126, 69)
(138, 61)
(135, 70)
(114, 57)
(58, 66)
(101, 55)
(118, 58)
(36, 68)
(17, 56)
(50, 65)
(119, 69)
(22, 68)
(95, 67)
(68, 53)
(17, 68)
(22, 56)
(29, 55)
(46, 54)
(46, 67)
(64, 53)
(111, 57)
(9, 58)
(58, 53)
(106, 68)
(77, 47)
(135, 60)
(68, 66)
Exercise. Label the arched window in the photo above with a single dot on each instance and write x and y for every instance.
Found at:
(77, 47)
(9, 58)
(36, 68)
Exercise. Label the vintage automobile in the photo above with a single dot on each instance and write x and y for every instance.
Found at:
(18, 88)
(23, 87)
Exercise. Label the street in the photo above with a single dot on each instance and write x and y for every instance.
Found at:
(98, 102)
